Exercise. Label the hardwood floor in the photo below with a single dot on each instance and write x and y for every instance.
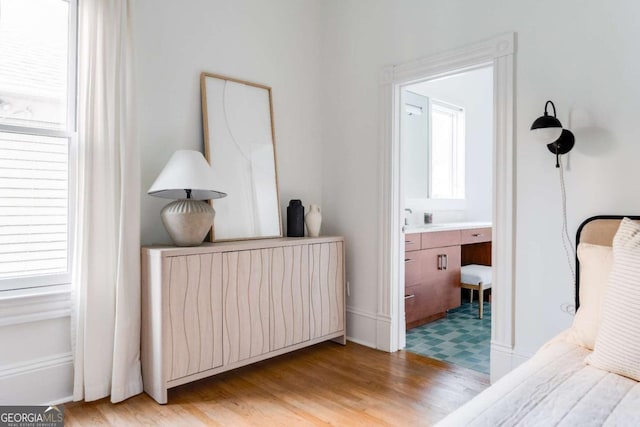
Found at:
(327, 384)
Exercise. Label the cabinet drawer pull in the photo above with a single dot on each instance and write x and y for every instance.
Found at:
(409, 242)
(443, 262)
(476, 234)
(409, 296)
(408, 260)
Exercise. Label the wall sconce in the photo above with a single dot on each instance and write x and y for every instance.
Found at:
(548, 129)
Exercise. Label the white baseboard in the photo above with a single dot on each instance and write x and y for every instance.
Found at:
(37, 365)
(504, 360)
(383, 333)
(357, 341)
(61, 401)
(37, 381)
(518, 359)
(361, 327)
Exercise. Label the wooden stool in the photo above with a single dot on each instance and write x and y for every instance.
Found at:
(476, 278)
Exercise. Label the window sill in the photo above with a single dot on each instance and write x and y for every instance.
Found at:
(35, 304)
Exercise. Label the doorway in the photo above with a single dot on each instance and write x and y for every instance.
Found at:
(446, 146)
(390, 326)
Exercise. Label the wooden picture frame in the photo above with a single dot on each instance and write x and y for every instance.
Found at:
(239, 143)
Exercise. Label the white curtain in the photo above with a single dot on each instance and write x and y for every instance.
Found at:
(106, 315)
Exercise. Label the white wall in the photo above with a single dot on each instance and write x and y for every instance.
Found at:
(276, 43)
(414, 145)
(473, 91)
(322, 58)
(581, 54)
(35, 354)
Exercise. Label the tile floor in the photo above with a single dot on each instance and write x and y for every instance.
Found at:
(460, 338)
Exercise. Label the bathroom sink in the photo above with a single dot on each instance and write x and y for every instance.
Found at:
(417, 228)
(409, 228)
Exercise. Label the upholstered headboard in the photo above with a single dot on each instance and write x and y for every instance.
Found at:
(597, 230)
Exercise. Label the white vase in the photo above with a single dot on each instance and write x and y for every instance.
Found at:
(313, 220)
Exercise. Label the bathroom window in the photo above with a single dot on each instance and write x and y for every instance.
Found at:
(446, 151)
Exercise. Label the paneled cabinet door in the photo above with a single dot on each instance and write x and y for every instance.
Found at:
(289, 323)
(441, 267)
(194, 335)
(327, 288)
(246, 291)
(452, 274)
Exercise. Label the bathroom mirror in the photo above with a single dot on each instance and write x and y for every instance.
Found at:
(239, 144)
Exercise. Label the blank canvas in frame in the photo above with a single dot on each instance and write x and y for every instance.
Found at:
(239, 144)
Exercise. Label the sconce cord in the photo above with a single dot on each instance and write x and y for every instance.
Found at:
(566, 240)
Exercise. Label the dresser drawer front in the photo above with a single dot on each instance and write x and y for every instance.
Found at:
(438, 239)
(412, 268)
(411, 242)
(423, 301)
(475, 235)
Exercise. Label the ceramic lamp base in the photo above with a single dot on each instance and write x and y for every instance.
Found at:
(187, 221)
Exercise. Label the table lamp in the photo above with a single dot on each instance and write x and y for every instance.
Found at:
(187, 177)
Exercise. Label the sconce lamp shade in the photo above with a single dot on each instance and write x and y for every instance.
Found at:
(546, 128)
(563, 144)
(186, 177)
(546, 134)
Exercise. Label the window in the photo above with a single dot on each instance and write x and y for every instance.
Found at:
(37, 139)
(446, 151)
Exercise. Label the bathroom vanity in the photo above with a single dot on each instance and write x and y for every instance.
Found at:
(434, 254)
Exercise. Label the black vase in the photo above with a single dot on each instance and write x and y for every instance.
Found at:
(295, 219)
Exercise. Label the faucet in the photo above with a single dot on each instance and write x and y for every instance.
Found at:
(406, 220)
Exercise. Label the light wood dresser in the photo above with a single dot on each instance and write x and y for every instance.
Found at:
(216, 307)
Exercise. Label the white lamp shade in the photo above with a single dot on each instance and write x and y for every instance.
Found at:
(547, 135)
(186, 170)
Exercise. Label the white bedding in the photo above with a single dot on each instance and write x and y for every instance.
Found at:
(554, 388)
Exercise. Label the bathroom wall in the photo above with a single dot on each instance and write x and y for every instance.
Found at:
(472, 91)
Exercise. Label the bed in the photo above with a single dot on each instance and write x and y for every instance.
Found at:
(556, 387)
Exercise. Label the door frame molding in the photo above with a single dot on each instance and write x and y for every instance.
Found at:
(499, 52)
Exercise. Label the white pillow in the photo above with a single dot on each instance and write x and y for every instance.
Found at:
(595, 265)
(617, 346)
